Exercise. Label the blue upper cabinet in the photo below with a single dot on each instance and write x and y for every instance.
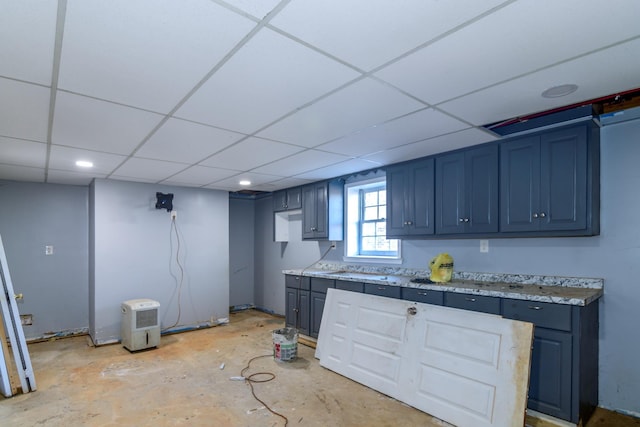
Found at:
(467, 191)
(410, 199)
(322, 211)
(549, 183)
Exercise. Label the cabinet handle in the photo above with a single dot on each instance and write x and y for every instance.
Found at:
(470, 299)
(542, 214)
(422, 293)
(381, 288)
(535, 307)
(535, 215)
(296, 310)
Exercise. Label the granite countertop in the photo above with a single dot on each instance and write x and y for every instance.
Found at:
(552, 289)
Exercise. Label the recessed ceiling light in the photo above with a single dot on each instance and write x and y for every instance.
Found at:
(558, 91)
(245, 182)
(84, 164)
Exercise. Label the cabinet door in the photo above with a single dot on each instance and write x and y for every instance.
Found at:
(322, 210)
(451, 215)
(291, 303)
(317, 307)
(481, 190)
(309, 211)
(304, 307)
(563, 180)
(397, 185)
(294, 198)
(550, 378)
(519, 184)
(280, 200)
(421, 198)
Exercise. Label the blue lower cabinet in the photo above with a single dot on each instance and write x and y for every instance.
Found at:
(479, 303)
(382, 290)
(426, 296)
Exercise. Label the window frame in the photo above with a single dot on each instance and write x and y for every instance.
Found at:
(355, 192)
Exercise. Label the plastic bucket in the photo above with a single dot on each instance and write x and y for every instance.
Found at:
(285, 344)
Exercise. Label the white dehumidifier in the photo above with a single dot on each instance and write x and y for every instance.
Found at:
(140, 324)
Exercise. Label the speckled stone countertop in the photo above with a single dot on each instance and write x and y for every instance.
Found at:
(553, 289)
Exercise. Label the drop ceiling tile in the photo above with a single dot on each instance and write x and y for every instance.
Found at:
(355, 107)
(410, 128)
(145, 53)
(72, 178)
(259, 9)
(65, 158)
(186, 142)
(523, 96)
(440, 144)
(508, 43)
(234, 182)
(339, 169)
(24, 110)
(21, 173)
(27, 36)
(370, 33)
(300, 163)
(24, 153)
(251, 153)
(148, 170)
(199, 175)
(289, 182)
(98, 125)
(269, 77)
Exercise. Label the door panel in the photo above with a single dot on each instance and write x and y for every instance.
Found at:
(470, 369)
(563, 188)
(519, 184)
(550, 390)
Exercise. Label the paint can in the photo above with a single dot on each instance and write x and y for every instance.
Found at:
(285, 344)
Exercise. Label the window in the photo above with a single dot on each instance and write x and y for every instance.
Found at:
(366, 221)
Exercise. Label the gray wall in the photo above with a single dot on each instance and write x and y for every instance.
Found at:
(614, 256)
(241, 251)
(134, 254)
(54, 286)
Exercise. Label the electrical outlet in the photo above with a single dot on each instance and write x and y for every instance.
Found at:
(48, 250)
(174, 214)
(26, 319)
(484, 246)
(333, 245)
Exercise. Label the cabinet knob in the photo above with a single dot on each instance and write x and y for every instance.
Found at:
(535, 215)
(409, 222)
(542, 214)
(466, 220)
(460, 219)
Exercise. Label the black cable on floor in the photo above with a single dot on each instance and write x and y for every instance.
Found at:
(251, 379)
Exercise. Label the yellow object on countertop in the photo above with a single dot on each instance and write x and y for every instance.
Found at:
(441, 267)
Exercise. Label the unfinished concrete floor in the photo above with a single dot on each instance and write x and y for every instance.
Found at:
(181, 384)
